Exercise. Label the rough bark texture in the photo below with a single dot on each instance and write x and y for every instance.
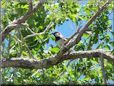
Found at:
(46, 63)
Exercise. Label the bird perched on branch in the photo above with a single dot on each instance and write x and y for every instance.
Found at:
(59, 39)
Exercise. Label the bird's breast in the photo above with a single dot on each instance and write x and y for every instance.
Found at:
(60, 43)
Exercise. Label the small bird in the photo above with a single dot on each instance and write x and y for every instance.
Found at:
(60, 39)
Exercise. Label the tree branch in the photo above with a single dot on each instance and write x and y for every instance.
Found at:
(46, 63)
(30, 5)
(85, 28)
(103, 70)
(78, 29)
(20, 20)
(47, 29)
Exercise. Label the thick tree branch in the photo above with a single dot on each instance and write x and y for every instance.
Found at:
(20, 20)
(46, 63)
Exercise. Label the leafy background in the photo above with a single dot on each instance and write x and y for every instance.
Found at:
(58, 12)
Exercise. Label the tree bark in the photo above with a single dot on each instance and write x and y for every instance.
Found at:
(28, 63)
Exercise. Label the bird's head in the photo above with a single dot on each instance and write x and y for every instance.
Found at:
(58, 34)
(59, 38)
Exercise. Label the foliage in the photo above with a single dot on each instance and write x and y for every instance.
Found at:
(80, 71)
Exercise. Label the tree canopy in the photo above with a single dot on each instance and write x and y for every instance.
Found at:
(27, 28)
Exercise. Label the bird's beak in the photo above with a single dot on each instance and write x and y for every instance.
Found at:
(52, 33)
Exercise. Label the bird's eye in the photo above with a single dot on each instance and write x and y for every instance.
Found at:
(58, 34)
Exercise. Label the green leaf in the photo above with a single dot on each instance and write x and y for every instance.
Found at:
(85, 35)
(24, 53)
(112, 43)
(55, 50)
(107, 47)
(52, 37)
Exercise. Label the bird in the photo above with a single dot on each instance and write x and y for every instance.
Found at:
(59, 39)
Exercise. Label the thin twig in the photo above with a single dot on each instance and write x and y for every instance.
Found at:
(37, 34)
(30, 5)
(73, 35)
(25, 44)
(103, 70)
